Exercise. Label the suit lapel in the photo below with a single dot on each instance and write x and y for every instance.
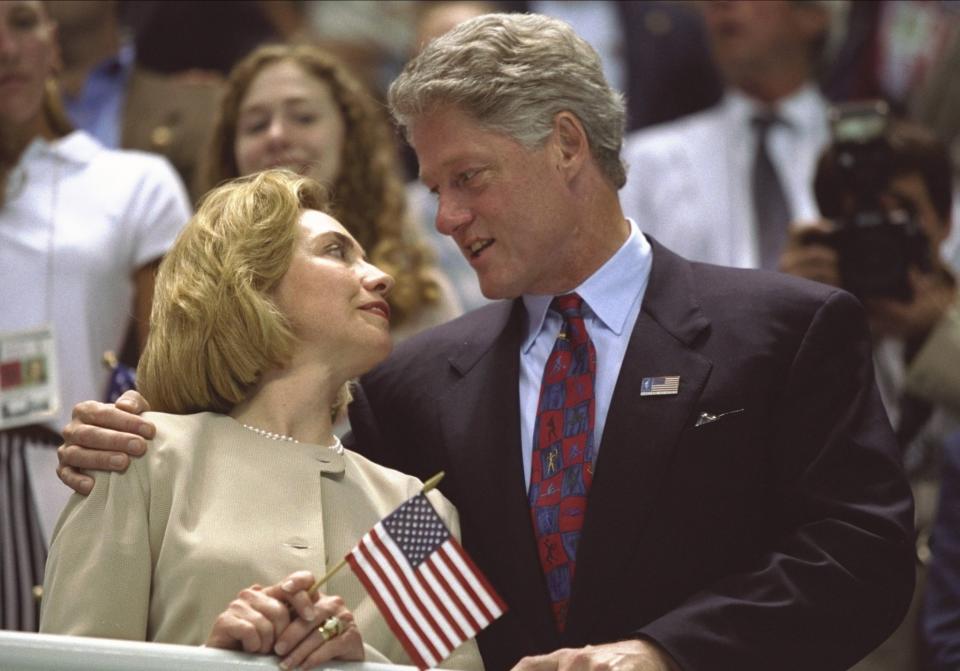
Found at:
(640, 433)
(480, 427)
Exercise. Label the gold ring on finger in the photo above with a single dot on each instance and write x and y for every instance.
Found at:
(330, 628)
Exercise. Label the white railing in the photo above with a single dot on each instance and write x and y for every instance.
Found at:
(47, 652)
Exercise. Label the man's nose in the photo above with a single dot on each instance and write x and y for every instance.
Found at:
(451, 215)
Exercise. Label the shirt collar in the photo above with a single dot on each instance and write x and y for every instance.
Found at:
(609, 292)
(800, 110)
(76, 147)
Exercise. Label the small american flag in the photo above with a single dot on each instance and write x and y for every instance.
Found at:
(660, 386)
(429, 591)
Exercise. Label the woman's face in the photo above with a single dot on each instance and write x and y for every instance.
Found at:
(289, 119)
(28, 53)
(334, 298)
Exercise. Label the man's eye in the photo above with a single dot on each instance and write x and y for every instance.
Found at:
(466, 176)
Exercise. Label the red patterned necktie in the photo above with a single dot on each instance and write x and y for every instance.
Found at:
(562, 462)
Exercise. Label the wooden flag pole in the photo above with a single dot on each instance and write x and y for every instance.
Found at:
(427, 486)
(432, 482)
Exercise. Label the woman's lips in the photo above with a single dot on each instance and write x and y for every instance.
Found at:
(378, 307)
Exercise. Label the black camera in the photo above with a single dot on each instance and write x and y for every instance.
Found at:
(877, 237)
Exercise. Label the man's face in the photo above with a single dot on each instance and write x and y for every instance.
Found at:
(750, 36)
(502, 204)
(912, 189)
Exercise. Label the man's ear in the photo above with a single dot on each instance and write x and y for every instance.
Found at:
(571, 144)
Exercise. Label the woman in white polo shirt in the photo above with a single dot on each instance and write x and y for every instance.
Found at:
(81, 230)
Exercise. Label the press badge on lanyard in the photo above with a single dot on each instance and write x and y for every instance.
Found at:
(29, 392)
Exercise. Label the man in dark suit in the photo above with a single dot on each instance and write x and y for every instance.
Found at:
(744, 503)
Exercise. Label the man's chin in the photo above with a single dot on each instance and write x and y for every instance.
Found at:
(493, 291)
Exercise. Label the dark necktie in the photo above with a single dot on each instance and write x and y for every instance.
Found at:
(562, 462)
(769, 201)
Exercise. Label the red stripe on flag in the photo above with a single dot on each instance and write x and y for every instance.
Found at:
(451, 594)
(447, 615)
(455, 592)
(478, 574)
(467, 587)
(413, 592)
(395, 627)
(393, 588)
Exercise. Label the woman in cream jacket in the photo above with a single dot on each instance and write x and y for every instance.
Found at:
(264, 309)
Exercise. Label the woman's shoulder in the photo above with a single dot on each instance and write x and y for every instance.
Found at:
(390, 480)
(391, 487)
(176, 421)
(180, 432)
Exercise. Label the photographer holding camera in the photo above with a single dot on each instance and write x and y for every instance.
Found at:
(885, 188)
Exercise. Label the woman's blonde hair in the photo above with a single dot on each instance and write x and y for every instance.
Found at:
(215, 329)
(368, 196)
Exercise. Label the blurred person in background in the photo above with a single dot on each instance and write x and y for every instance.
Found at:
(722, 185)
(297, 107)
(177, 36)
(905, 53)
(123, 104)
(265, 308)
(82, 228)
(654, 52)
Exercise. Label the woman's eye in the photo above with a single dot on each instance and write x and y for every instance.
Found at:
(305, 119)
(337, 250)
(253, 127)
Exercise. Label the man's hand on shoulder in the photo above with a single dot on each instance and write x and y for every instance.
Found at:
(102, 437)
(631, 655)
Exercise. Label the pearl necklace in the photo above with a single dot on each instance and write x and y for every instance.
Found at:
(336, 447)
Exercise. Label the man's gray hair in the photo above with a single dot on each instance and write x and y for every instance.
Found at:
(513, 73)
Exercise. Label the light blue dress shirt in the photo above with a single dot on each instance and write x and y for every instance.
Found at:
(612, 298)
(98, 107)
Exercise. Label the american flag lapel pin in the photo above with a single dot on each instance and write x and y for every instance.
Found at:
(667, 385)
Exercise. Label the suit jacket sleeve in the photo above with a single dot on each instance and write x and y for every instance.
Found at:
(838, 575)
(99, 569)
